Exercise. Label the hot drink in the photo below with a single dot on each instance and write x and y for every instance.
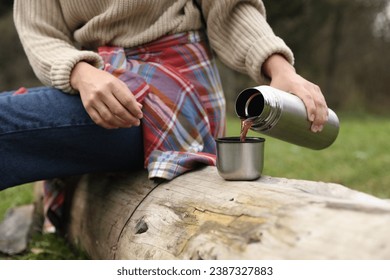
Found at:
(246, 124)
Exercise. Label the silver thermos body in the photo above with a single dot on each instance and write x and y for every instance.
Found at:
(283, 116)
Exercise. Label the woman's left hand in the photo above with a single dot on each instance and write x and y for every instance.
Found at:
(284, 77)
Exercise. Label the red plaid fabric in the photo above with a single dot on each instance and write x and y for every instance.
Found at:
(183, 104)
(176, 80)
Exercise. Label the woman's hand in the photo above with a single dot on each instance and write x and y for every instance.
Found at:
(107, 100)
(284, 77)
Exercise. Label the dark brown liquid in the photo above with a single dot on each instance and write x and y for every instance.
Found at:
(246, 124)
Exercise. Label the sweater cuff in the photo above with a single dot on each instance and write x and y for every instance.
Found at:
(62, 69)
(259, 53)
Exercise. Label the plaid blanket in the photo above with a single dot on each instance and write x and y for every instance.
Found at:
(176, 80)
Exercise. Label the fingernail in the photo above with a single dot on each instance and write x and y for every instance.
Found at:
(317, 128)
(311, 117)
(140, 116)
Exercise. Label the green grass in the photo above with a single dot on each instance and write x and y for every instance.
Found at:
(12, 197)
(48, 247)
(41, 247)
(359, 159)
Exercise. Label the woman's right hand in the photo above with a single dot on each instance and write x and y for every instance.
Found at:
(284, 77)
(107, 99)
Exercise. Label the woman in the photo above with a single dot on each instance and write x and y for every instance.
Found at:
(109, 66)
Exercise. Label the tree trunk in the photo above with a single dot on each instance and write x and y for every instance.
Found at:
(201, 216)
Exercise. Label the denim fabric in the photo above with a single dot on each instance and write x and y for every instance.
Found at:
(46, 133)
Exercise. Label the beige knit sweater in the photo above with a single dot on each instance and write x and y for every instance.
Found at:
(52, 31)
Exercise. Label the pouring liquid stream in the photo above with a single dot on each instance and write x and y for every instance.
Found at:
(246, 124)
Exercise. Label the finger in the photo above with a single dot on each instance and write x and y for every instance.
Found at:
(118, 111)
(322, 109)
(128, 101)
(97, 119)
(319, 122)
(309, 103)
(111, 119)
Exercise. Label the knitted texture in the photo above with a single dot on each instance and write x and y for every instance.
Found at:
(57, 34)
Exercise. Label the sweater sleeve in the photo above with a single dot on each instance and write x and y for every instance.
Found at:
(240, 35)
(48, 42)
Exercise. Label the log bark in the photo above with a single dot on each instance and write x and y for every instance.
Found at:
(201, 216)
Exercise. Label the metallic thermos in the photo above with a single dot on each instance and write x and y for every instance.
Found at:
(283, 116)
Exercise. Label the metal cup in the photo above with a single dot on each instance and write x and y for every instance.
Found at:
(238, 160)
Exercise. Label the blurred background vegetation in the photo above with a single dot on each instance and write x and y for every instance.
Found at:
(341, 45)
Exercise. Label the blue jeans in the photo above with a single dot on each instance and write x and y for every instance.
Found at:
(46, 133)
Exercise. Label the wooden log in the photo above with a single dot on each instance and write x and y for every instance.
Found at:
(201, 216)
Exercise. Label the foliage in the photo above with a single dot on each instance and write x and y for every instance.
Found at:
(337, 44)
(5, 6)
(15, 70)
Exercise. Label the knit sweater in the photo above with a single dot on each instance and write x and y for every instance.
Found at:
(57, 34)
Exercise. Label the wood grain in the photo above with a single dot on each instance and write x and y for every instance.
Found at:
(201, 216)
